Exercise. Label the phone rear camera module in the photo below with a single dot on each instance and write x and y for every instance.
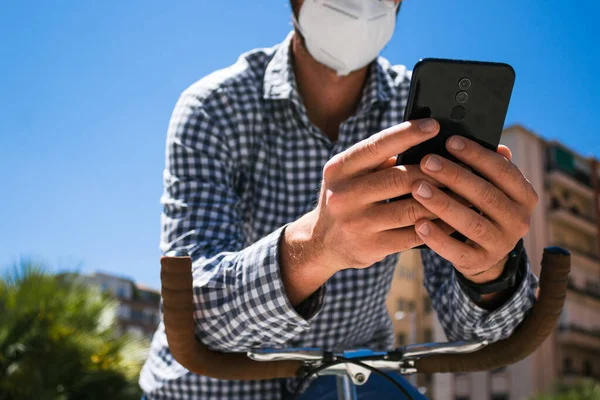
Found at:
(462, 97)
(464, 84)
(458, 113)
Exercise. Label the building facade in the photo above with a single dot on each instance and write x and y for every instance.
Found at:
(138, 311)
(567, 215)
(411, 311)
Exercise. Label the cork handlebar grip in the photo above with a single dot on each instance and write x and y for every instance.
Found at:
(187, 350)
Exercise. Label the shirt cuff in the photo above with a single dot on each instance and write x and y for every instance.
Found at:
(474, 322)
(312, 305)
(282, 321)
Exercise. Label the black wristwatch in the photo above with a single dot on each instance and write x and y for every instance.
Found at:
(513, 273)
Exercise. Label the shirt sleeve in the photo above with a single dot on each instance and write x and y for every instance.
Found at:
(460, 317)
(239, 297)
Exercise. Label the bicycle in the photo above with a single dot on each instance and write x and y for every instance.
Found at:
(354, 367)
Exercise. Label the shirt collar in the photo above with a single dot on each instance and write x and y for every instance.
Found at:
(280, 82)
(379, 86)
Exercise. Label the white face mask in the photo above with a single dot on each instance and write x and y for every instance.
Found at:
(346, 35)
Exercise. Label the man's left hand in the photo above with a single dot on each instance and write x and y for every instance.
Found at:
(507, 200)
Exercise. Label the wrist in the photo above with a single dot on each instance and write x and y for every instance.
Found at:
(303, 267)
(491, 274)
(511, 269)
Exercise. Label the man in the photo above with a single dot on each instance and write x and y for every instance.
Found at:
(276, 264)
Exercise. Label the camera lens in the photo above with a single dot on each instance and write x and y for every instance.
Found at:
(458, 113)
(462, 97)
(464, 84)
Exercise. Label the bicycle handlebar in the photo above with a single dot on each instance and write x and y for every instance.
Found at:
(187, 350)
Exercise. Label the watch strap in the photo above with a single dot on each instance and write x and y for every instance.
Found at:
(510, 277)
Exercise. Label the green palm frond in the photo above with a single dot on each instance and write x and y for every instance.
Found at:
(58, 339)
(580, 390)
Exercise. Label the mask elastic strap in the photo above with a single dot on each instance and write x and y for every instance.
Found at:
(297, 24)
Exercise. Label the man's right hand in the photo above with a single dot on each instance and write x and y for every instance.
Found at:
(353, 226)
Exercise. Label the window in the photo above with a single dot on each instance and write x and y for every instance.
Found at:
(426, 304)
(121, 292)
(401, 305)
(406, 273)
(592, 287)
(151, 316)
(575, 210)
(588, 370)
(401, 338)
(499, 396)
(428, 379)
(568, 364)
(406, 305)
(427, 336)
(134, 330)
(137, 315)
(564, 159)
(124, 311)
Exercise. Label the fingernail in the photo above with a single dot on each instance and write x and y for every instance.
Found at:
(428, 125)
(433, 164)
(424, 191)
(456, 143)
(424, 229)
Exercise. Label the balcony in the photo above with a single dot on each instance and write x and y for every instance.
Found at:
(578, 336)
(572, 376)
(572, 217)
(583, 291)
(577, 251)
(590, 255)
(575, 168)
(566, 179)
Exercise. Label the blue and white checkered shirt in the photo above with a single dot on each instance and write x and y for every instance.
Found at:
(242, 161)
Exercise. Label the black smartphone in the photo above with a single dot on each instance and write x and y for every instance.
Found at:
(467, 98)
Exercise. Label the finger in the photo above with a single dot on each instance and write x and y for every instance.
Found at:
(505, 152)
(495, 167)
(479, 192)
(385, 184)
(389, 163)
(447, 229)
(398, 240)
(373, 151)
(397, 214)
(461, 255)
(401, 213)
(466, 221)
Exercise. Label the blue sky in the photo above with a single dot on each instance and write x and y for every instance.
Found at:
(87, 88)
